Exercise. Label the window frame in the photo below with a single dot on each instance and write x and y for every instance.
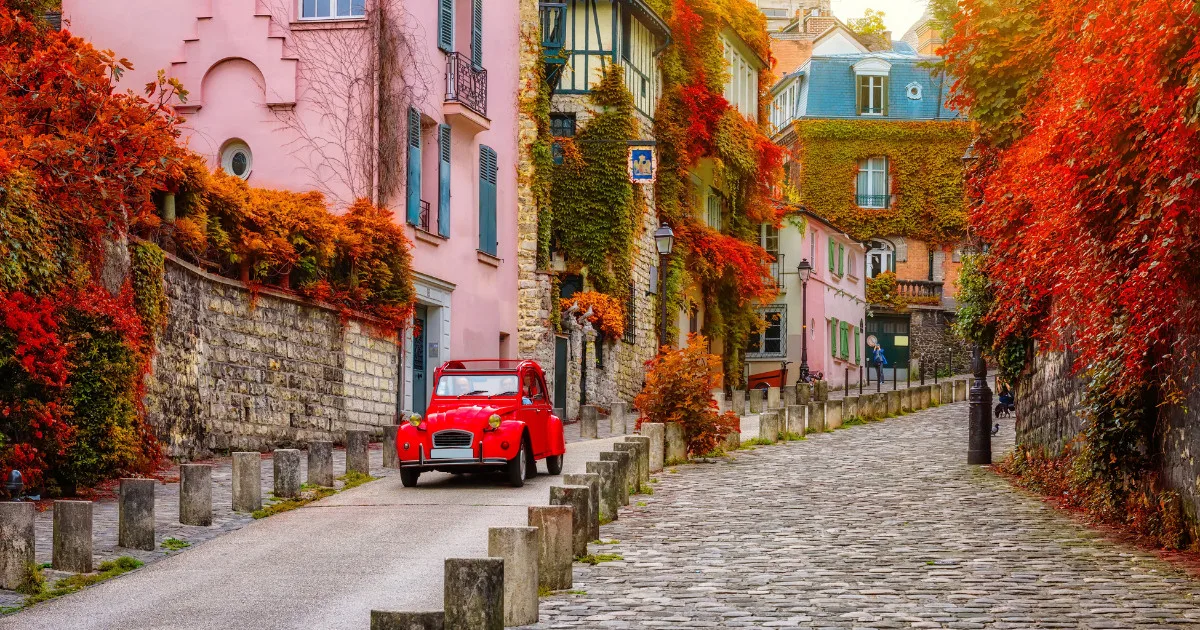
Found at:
(781, 310)
(332, 17)
(867, 167)
(874, 86)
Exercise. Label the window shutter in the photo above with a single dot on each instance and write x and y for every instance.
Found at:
(832, 253)
(841, 259)
(885, 96)
(487, 200)
(857, 347)
(444, 181)
(477, 33)
(414, 166)
(845, 346)
(833, 342)
(858, 95)
(446, 25)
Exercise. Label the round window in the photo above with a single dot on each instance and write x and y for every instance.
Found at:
(914, 91)
(236, 159)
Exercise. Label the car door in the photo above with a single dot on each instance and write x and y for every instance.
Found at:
(537, 412)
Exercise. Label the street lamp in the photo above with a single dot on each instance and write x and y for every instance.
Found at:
(805, 270)
(664, 240)
(979, 441)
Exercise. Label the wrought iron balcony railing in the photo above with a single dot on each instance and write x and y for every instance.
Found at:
(466, 83)
(423, 219)
(777, 269)
(874, 201)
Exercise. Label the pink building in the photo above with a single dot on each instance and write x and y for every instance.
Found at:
(413, 104)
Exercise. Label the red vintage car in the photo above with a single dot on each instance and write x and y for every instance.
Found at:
(484, 415)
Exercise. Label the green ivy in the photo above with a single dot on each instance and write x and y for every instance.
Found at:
(149, 295)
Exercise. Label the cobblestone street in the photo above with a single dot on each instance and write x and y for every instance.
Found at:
(877, 526)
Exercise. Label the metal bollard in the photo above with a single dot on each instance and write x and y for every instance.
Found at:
(894, 368)
(935, 372)
(860, 380)
(979, 445)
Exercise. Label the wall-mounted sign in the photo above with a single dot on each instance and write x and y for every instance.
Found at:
(901, 341)
(642, 165)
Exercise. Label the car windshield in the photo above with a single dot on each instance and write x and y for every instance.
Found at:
(477, 385)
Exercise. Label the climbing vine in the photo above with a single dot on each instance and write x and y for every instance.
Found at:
(608, 314)
(146, 276)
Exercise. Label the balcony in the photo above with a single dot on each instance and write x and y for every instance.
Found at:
(874, 201)
(777, 271)
(919, 292)
(466, 94)
(554, 31)
(423, 221)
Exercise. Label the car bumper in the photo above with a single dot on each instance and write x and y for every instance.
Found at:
(442, 463)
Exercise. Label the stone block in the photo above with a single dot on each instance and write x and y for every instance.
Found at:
(616, 419)
(473, 592)
(803, 393)
(592, 481)
(756, 397)
(947, 392)
(320, 464)
(390, 458)
(247, 482)
(387, 620)
(768, 426)
(589, 421)
(135, 514)
(833, 414)
(358, 455)
(656, 431)
(796, 417)
(555, 544)
(610, 488)
(635, 478)
(788, 396)
(676, 444)
(850, 408)
(960, 390)
(893, 403)
(625, 471)
(643, 457)
(821, 391)
(519, 548)
(739, 402)
(733, 439)
(72, 550)
(195, 494)
(906, 400)
(935, 394)
(286, 463)
(579, 500)
(879, 401)
(773, 398)
(16, 542)
(816, 416)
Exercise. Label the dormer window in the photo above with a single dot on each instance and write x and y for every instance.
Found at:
(871, 82)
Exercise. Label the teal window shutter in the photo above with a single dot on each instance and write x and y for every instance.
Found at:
(477, 33)
(444, 181)
(833, 342)
(414, 166)
(487, 200)
(446, 25)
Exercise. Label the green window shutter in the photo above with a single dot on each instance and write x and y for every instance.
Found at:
(444, 181)
(446, 25)
(857, 347)
(845, 340)
(487, 200)
(832, 254)
(885, 96)
(833, 328)
(477, 33)
(413, 200)
(841, 259)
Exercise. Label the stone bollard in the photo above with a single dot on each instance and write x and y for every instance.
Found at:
(387, 620)
(795, 419)
(926, 396)
(135, 514)
(195, 494)
(560, 413)
(610, 489)
(816, 416)
(803, 393)
(519, 548)
(320, 464)
(821, 391)
(906, 405)
(893, 403)
(960, 390)
(555, 544)
(849, 408)
(733, 439)
(286, 462)
(625, 469)
(656, 432)
(935, 394)
(390, 458)
(616, 419)
(589, 419)
(739, 402)
(592, 481)
(773, 398)
(358, 454)
(834, 412)
(16, 543)
(756, 400)
(768, 426)
(676, 452)
(473, 592)
(643, 458)
(247, 482)
(881, 405)
(788, 394)
(578, 499)
(72, 536)
(947, 392)
(635, 466)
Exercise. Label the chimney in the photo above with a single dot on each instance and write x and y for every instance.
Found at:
(887, 38)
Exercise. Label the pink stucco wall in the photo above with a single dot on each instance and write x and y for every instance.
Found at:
(259, 76)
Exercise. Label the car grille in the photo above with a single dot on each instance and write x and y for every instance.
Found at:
(452, 439)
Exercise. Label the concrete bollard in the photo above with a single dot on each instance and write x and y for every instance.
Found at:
(906, 405)
(247, 482)
(16, 543)
(935, 395)
(643, 457)
(135, 514)
(816, 417)
(656, 431)
(926, 396)
(320, 464)
(676, 452)
(473, 592)
(834, 412)
(788, 394)
(773, 398)
(635, 471)
(195, 494)
(72, 550)
(555, 544)
(358, 454)
(387, 620)
(610, 489)
(849, 408)
(881, 405)
(755, 400)
(625, 469)
(821, 391)
(518, 547)
(795, 419)
(733, 439)
(947, 392)
(960, 390)
(803, 393)
(390, 458)
(616, 419)
(589, 419)
(893, 403)
(739, 402)
(578, 499)
(592, 516)
(768, 426)
(286, 464)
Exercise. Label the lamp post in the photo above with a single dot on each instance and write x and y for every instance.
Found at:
(805, 269)
(979, 441)
(664, 240)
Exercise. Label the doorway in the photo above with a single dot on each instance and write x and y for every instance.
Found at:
(560, 373)
(892, 332)
(420, 360)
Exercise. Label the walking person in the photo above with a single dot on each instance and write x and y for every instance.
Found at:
(880, 362)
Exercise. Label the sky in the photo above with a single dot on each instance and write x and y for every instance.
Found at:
(899, 15)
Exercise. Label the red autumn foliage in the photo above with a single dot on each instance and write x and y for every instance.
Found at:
(679, 385)
(720, 256)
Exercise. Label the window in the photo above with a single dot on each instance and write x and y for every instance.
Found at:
(771, 342)
(562, 125)
(851, 265)
(332, 9)
(768, 238)
(812, 247)
(913, 91)
(236, 159)
(873, 183)
(871, 95)
(714, 205)
(626, 34)
(487, 200)
(880, 258)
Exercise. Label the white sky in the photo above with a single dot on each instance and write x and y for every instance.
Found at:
(899, 15)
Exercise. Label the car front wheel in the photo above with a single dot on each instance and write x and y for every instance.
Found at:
(515, 470)
(554, 464)
(409, 476)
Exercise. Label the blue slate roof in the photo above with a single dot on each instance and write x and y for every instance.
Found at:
(828, 83)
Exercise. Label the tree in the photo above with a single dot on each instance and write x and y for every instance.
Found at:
(871, 23)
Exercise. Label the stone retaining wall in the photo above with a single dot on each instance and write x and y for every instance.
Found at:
(1048, 403)
(236, 371)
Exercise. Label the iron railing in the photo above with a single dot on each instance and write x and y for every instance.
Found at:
(423, 219)
(874, 201)
(777, 273)
(466, 83)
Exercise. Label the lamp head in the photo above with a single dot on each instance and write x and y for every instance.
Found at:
(664, 239)
(805, 269)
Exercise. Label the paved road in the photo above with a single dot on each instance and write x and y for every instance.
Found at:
(379, 546)
(877, 526)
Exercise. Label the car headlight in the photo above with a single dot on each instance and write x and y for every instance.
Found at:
(415, 419)
(494, 421)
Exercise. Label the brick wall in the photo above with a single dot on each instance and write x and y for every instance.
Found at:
(236, 373)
